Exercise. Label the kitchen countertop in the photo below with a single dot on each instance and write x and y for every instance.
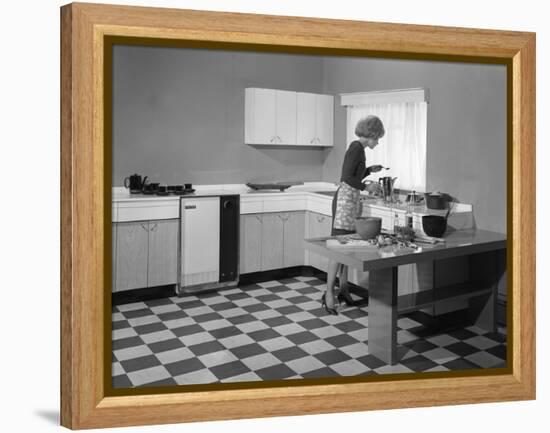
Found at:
(319, 190)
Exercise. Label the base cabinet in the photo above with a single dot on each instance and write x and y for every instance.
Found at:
(272, 240)
(145, 254)
(318, 225)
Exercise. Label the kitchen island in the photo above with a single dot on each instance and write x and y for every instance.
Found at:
(479, 246)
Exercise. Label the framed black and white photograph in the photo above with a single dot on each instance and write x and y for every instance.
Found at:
(293, 215)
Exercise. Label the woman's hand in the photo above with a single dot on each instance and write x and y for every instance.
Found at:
(375, 168)
(373, 187)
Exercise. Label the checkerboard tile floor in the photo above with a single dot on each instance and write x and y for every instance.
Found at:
(270, 331)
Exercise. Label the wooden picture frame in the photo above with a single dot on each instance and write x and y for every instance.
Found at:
(85, 213)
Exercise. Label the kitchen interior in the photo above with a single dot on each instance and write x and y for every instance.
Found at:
(226, 162)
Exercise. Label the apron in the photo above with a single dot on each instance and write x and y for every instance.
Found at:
(348, 207)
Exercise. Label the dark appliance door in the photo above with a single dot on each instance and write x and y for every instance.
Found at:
(229, 237)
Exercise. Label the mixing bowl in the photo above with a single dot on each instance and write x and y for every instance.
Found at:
(434, 225)
(368, 227)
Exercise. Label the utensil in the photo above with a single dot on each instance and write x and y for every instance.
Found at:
(135, 183)
(414, 198)
(368, 227)
(387, 186)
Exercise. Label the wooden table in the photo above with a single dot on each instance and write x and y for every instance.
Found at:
(384, 303)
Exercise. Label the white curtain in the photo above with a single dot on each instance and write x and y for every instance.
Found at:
(403, 147)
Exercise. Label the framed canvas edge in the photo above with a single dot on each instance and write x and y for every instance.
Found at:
(83, 400)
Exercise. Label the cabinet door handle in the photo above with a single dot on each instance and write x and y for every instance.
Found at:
(280, 139)
(258, 217)
(155, 227)
(311, 141)
(144, 227)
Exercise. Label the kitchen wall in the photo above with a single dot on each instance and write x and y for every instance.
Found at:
(466, 144)
(178, 115)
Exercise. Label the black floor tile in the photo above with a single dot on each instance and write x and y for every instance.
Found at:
(350, 326)
(208, 317)
(331, 357)
(459, 364)
(277, 321)
(244, 318)
(164, 382)
(498, 351)
(173, 315)
(247, 350)
(371, 361)
(185, 366)
(163, 346)
(208, 347)
(133, 314)
(275, 372)
(120, 324)
(312, 324)
(187, 330)
(320, 372)
(341, 340)
(418, 363)
(302, 337)
(150, 328)
(125, 343)
(263, 334)
(228, 331)
(289, 353)
(140, 363)
(289, 309)
(461, 349)
(255, 308)
(230, 369)
(121, 381)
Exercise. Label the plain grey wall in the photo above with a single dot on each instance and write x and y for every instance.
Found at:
(178, 115)
(466, 143)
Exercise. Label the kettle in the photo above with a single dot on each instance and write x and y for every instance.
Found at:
(414, 198)
(387, 186)
(135, 183)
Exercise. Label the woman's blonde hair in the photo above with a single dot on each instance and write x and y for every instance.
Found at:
(370, 127)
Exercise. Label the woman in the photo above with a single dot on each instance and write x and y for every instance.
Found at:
(346, 205)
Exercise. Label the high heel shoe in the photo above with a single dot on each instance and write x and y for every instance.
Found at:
(326, 307)
(346, 297)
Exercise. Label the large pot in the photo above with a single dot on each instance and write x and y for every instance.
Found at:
(436, 200)
(368, 227)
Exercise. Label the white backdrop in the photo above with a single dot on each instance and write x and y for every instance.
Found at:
(29, 134)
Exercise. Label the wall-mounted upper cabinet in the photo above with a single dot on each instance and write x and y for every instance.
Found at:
(270, 116)
(280, 117)
(315, 119)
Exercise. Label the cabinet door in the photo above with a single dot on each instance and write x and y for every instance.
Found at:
(132, 240)
(285, 129)
(305, 114)
(272, 241)
(319, 225)
(250, 243)
(163, 252)
(324, 119)
(293, 241)
(263, 116)
(113, 257)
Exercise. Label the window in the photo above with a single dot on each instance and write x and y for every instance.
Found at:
(403, 147)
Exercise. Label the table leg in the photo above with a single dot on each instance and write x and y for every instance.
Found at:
(382, 310)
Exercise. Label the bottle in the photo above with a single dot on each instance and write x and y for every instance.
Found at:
(408, 217)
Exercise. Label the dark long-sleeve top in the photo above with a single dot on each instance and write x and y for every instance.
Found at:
(353, 167)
